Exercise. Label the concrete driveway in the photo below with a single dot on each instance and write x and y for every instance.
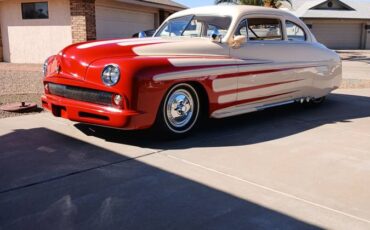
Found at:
(356, 68)
(284, 168)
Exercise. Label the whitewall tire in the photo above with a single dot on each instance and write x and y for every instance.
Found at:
(179, 112)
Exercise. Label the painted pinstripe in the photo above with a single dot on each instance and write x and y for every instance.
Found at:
(120, 42)
(254, 87)
(196, 73)
(225, 79)
(250, 100)
(245, 71)
(206, 61)
(245, 93)
(246, 106)
(226, 83)
(228, 71)
(98, 43)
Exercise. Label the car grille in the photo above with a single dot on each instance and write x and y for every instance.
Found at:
(81, 94)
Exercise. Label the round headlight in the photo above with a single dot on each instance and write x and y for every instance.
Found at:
(110, 74)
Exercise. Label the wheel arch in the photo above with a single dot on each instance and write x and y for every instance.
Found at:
(156, 98)
(203, 96)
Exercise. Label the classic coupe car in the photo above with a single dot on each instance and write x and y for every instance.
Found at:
(216, 61)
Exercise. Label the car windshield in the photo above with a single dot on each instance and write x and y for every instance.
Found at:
(195, 26)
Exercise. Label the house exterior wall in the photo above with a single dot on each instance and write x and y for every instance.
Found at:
(70, 21)
(33, 40)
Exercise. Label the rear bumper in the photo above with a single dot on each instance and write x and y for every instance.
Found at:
(87, 112)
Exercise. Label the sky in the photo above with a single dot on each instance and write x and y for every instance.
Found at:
(195, 3)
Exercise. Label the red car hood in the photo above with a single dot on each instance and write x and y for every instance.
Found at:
(75, 59)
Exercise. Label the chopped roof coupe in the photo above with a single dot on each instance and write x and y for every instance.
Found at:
(216, 61)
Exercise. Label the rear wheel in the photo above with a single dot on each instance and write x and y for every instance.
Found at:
(179, 112)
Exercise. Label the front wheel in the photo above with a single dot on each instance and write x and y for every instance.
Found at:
(179, 112)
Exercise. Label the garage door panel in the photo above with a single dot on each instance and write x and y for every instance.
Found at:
(119, 23)
(338, 36)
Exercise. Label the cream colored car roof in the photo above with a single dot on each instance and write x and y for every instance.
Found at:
(234, 11)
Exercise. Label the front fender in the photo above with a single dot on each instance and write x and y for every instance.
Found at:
(136, 84)
(143, 93)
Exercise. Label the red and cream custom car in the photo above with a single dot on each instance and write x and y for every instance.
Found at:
(216, 61)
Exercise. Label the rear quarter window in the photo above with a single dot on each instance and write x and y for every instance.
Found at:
(294, 32)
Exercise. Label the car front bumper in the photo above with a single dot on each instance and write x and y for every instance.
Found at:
(86, 112)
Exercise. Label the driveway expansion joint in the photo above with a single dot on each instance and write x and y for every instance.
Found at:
(266, 188)
(77, 172)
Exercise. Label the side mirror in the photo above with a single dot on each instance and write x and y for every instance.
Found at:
(142, 34)
(237, 41)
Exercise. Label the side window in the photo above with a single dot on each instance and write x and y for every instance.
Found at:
(195, 26)
(242, 28)
(175, 27)
(264, 29)
(294, 32)
(214, 29)
(193, 29)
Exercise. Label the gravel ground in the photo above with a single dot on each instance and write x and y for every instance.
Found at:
(20, 82)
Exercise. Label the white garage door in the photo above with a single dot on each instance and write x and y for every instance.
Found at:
(119, 23)
(338, 36)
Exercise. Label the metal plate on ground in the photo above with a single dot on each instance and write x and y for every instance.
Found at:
(19, 107)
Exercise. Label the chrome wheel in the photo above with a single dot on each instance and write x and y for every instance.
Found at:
(180, 108)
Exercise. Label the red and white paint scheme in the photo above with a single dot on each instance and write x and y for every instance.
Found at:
(216, 61)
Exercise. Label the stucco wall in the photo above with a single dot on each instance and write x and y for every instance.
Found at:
(32, 41)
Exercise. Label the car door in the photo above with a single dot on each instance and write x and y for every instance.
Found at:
(271, 77)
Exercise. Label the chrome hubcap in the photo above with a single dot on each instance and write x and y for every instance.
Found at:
(180, 108)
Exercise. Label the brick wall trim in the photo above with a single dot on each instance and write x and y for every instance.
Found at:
(83, 20)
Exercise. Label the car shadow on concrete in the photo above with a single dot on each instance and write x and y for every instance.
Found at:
(52, 181)
(247, 129)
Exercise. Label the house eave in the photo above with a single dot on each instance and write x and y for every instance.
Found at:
(334, 18)
(154, 5)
